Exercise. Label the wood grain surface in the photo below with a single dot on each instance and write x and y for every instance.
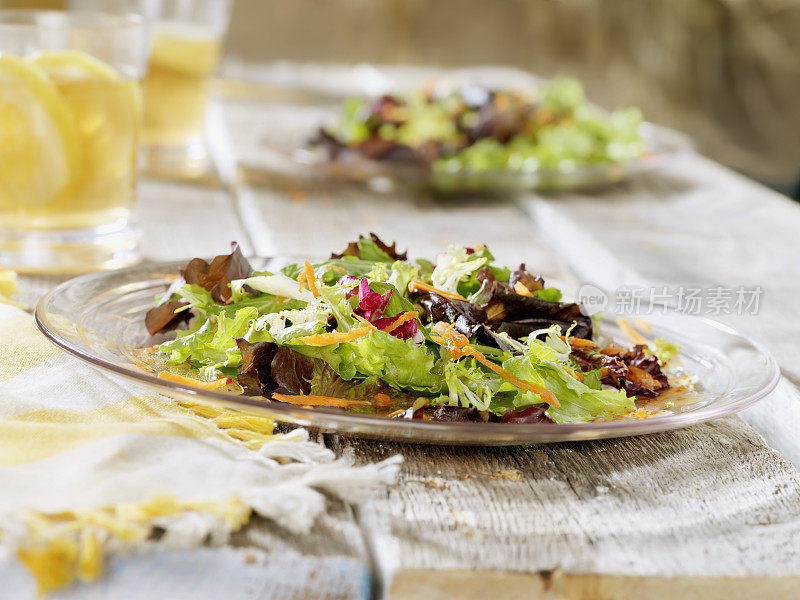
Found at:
(710, 500)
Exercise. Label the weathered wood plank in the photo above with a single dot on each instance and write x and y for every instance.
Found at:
(474, 585)
(707, 501)
(181, 221)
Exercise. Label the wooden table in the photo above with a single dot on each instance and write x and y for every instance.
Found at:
(712, 511)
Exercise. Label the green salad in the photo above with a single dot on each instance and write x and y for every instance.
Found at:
(458, 338)
(478, 130)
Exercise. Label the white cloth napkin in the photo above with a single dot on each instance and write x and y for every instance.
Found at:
(91, 465)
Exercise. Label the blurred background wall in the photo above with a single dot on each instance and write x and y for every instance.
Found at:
(725, 71)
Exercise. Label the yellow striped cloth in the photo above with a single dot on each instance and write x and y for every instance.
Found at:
(90, 465)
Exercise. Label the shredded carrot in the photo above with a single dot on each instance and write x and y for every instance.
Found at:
(337, 268)
(416, 284)
(307, 276)
(522, 289)
(303, 400)
(204, 385)
(579, 342)
(458, 345)
(639, 413)
(630, 331)
(643, 377)
(361, 319)
(335, 337)
(382, 399)
(612, 351)
(404, 318)
(576, 374)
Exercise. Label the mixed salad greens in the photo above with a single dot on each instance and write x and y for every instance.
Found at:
(458, 339)
(474, 129)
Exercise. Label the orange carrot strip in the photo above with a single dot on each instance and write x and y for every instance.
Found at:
(337, 268)
(382, 399)
(335, 337)
(416, 284)
(458, 345)
(630, 331)
(361, 319)
(303, 400)
(540, 390)
(579, 342)
(308, 274)
(404, 318)
(205, 385)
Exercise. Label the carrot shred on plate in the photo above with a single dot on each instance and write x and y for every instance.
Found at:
(458, 345)
(203, 385)
(404, 318)
(306, 400)
(382, 399)
(307, 276)
(361, 319)
(579, 342)
(337, 268)
(335, 337)
(416, 284)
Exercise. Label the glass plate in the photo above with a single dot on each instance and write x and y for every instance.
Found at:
(100, 319)
(662, 145)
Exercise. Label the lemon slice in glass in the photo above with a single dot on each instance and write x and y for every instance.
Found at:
(74, 65)
(39, 143)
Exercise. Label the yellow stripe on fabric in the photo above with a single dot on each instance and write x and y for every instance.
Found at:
(38, 434)
(22, 346)
(64, 547)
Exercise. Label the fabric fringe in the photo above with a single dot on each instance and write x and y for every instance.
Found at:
(59, 549)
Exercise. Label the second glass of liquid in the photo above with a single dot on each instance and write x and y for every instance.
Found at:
(186, 47)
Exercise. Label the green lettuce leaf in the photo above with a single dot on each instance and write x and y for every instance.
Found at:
(469, 386)
(579, 402)
(399, 363)
(552, 294)
(213, 344)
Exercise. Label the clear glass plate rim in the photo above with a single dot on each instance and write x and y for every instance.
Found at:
(373, 425)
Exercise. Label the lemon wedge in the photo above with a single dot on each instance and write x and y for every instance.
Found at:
(39, 143)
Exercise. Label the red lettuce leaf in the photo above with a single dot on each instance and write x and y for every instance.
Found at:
(623, 369)
(163, 317)
(531, 414)
(217, 276)
(371, 304)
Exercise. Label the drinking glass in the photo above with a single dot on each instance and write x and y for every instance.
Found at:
(187, 37)
(70, 121)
